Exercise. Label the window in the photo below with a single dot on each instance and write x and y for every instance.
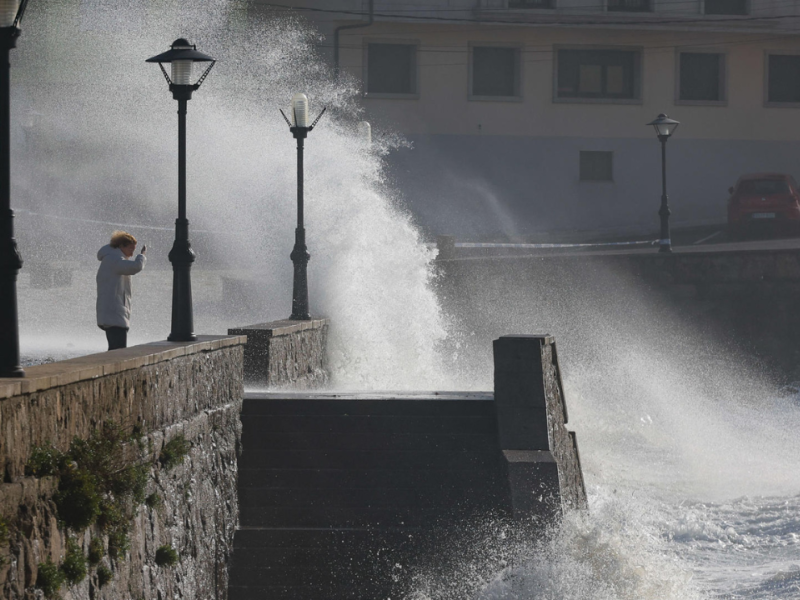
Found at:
(701, 77)
(726, 7)
(629, 5)
(391, 69)
(783, 78)
(596, 166)
(763, 187)
(598, 74)
(531, 3)
(495, 72)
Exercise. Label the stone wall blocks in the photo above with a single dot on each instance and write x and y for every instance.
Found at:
(87, 373)
(168, 396)
(286, 354)
(173, 353)
(10, 388)
(35, 384)
(111, 368)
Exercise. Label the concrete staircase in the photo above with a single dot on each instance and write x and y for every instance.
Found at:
(340, 495)
(354, 496)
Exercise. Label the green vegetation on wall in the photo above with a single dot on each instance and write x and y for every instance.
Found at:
(166, 556)
(101, 484)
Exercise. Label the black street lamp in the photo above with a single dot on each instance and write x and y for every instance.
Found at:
(182, 55)
(11, 12)
(299, 127)
(664, 127)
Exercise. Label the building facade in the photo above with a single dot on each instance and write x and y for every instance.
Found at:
(530, 115)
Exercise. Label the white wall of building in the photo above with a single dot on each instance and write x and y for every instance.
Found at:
(511, 165)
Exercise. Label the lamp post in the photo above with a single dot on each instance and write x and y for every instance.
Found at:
(664, 127)
(300, 127)
(11, 12)
(182, 55)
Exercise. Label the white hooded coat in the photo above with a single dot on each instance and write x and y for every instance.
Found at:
(114, 286)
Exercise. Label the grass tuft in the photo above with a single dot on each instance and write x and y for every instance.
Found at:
(166, 556)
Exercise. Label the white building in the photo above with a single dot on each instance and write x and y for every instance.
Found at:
(530, 115)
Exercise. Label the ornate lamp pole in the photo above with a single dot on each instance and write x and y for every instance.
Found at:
(664, 127)
(299, 127)
(11, 12)
(182, 55)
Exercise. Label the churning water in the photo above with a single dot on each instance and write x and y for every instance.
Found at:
(690, 458)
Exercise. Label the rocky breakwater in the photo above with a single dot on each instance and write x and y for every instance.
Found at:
(119, 473)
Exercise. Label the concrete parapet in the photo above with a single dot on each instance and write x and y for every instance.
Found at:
(286, 354)
(541, 456)
(193, 389)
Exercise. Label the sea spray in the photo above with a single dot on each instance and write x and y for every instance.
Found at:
(116, 130)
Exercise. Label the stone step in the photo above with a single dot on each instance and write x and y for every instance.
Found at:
(338, 517)
(358, 498)
(276, 566)
(360, 460)
(365, 478)
(330, 564)
(324, 564)
(264, 425)
(323, 538)
(309, 592)
(315, 569)
(255, 441)
(466, 404)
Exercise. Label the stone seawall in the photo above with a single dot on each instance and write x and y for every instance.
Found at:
(286, 354)
(746, 300)
(166, 390)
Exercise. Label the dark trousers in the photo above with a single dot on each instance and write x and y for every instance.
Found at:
(117, 337)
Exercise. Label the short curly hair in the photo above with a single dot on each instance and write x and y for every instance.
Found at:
(122, 238)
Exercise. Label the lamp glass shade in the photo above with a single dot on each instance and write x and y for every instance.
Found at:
(666, 129)
(664, 126)
(299, 110)
(365, 130)
(8, 12)
(182, 72)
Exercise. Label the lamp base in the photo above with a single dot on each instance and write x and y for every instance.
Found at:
(15, 372)
(177, 337)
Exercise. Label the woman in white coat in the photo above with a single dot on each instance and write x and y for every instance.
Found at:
(114, 287)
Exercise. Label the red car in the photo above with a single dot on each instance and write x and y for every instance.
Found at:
(764, 201)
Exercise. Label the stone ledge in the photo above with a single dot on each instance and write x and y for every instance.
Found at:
(42, 377)
(280, 328)
(545, 337)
